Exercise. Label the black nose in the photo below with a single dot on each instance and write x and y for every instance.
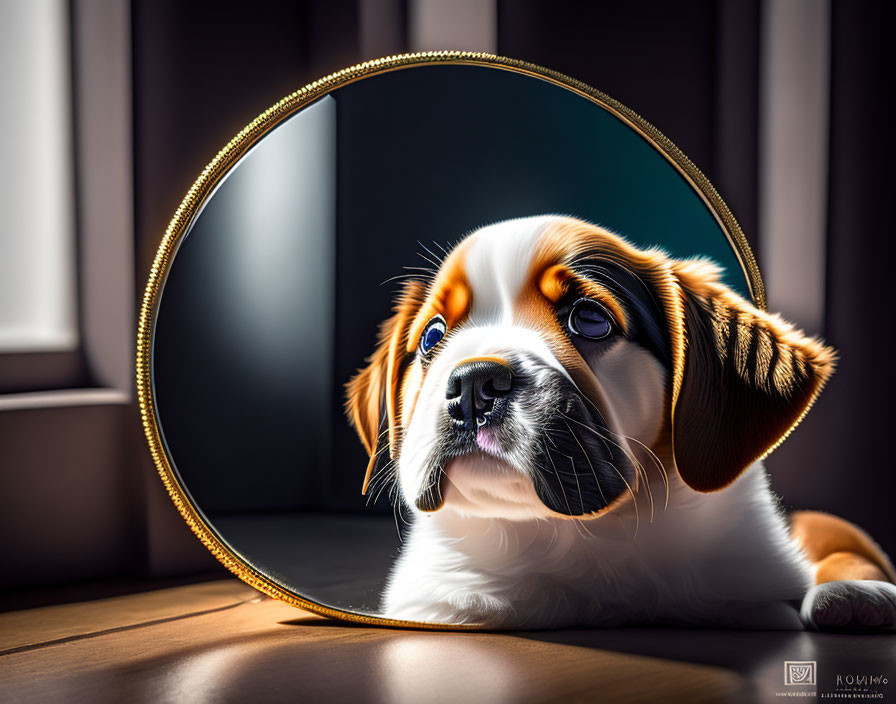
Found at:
(473, 389)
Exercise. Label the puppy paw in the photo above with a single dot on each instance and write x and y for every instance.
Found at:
(480, 608)
(457, 609)
(854, 605)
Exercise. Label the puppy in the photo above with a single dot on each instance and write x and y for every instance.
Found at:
(576, 426)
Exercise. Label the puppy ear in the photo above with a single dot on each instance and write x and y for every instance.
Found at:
(743, 379)
(373, 394)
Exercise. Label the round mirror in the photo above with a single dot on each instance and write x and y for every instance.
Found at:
(295, 244)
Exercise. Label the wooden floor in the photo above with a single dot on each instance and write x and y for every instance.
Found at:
(222, 642)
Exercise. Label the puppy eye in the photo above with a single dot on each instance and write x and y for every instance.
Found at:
(589, 320)
(432, 334)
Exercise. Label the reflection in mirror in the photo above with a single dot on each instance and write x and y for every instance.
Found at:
(244, 353)
(274, 297)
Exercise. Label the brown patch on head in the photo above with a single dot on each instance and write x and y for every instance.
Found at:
(741, 379)
(568, 240)
(450, 295)
(558, 280)
(553, 274)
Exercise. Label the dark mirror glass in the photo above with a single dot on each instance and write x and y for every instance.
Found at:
(274, 295)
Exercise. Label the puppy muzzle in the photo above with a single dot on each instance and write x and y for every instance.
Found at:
(535, 421)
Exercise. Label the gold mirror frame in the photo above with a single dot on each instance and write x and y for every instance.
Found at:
(239, 146)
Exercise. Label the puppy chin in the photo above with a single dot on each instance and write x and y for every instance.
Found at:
(484, 486)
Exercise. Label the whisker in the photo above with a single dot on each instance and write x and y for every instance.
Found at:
(605, 439)
(436, 260)
(575, 475)
(401, 277)
(577, 523)
(593, 471)
(541, 481)
(379, 481)
(443, 250)
(634, 500)
(616, 469)
(656, 460)
(643, 481)
(626, 451)
(661, 468)
(560, 482)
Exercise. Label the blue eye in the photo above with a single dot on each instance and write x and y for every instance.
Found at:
(588, 319)
(432, 334)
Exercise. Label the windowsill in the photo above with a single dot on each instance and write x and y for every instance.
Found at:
(64, 398)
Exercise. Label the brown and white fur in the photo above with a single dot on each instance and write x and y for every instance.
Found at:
(564, 479)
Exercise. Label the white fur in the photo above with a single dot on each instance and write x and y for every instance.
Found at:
(723, 559)
(633, 383)
(496, 266)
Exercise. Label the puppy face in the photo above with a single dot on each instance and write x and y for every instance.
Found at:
(548, 360)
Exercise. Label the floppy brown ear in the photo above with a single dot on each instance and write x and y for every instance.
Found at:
(744, 379)
(373, 394)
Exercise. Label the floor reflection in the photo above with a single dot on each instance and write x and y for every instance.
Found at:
(314, 658)
(427, 667)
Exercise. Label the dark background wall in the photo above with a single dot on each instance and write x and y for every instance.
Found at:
(689, 68)
(200, 72)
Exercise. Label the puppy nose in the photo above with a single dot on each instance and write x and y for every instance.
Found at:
(473, 388)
